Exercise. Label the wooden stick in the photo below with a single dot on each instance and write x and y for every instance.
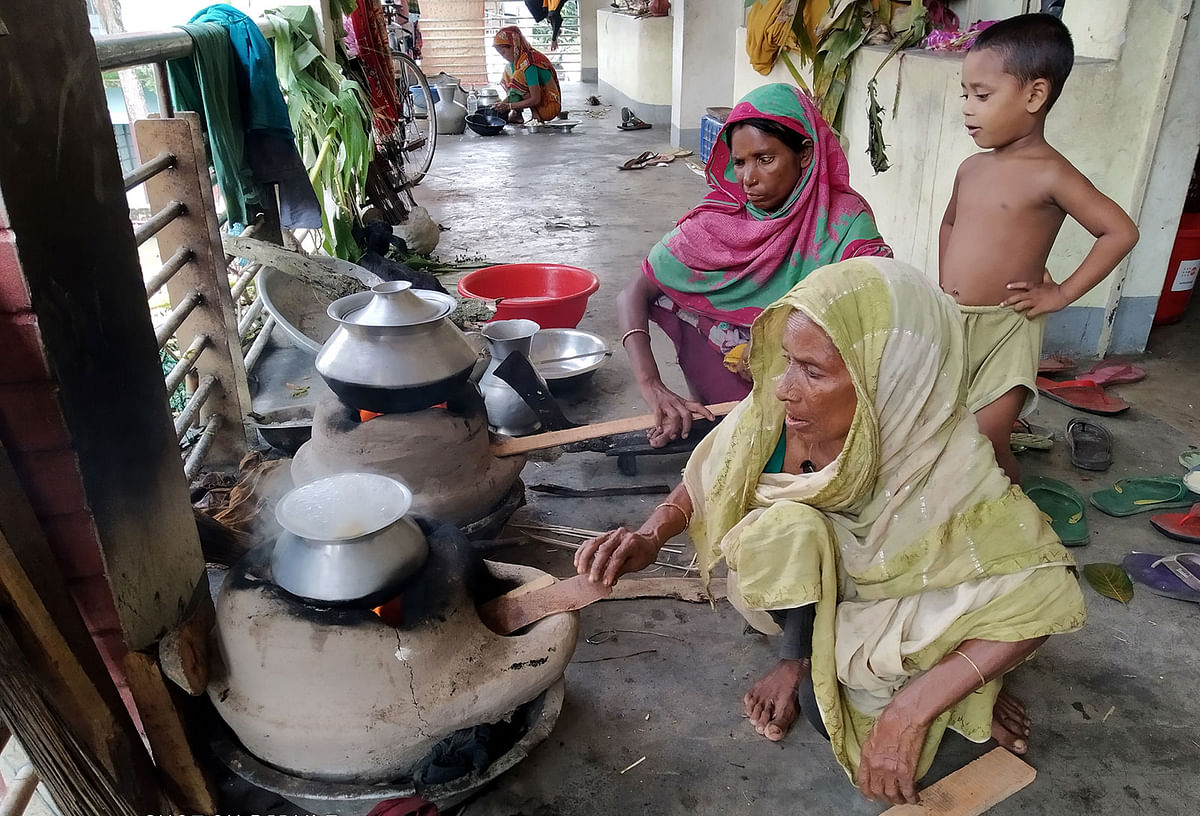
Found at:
(690, 590)
(973, 789)
(79, 784)
(525, 444)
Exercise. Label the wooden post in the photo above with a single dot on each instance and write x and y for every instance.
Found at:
(60, 180)
(197, 229)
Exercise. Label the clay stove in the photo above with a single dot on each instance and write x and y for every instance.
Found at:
(334, 707)
(441, 453)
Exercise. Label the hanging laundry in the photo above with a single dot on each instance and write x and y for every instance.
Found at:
(230, 81)
(366, 38)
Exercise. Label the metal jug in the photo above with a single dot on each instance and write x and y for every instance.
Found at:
(507, 412)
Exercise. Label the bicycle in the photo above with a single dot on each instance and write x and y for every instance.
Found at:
(419, 122)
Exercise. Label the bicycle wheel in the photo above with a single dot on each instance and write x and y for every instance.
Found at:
(419, 122)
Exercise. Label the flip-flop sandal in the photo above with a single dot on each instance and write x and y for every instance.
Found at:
(1062, 506)
(1129, 496)
(661, 160)
(1114, 373)
(1083, 395)
(637, 163)
(1191, 479)
(1179, 526)
(1173, 576)
(1090, 444)
(1055, 365)
(1021, 442)
(1025, 437)
(630, 121)
(1190, 458)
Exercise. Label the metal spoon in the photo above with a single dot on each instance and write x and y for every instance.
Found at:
(574, 357)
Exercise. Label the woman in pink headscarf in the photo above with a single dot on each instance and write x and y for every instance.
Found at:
(781, 206)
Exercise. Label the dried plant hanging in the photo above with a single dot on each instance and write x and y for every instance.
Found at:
(826, 34)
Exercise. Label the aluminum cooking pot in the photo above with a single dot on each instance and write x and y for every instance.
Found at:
(347, 537)
(395, 349)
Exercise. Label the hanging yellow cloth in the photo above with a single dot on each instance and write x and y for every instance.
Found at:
(768, 31)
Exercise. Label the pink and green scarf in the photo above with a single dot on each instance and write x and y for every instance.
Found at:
(728, 260)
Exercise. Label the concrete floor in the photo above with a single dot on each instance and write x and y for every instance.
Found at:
(1116, 728)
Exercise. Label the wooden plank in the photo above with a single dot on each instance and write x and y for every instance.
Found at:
(184, 651)
(973, 789)
(526, 444)
(510, 612)
(197, 229)
(332, 276)
(190, 788)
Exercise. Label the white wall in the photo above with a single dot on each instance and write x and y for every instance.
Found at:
(1130, 124)
(588, 70)
(634, 57)
(702, 52)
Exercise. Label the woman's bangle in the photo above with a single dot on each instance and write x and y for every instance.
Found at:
(687, 519)
(982, 679)
(627, 334)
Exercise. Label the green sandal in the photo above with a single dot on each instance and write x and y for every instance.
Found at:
(1062, 506)
(1129, 496)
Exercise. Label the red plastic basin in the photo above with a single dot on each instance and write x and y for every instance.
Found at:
(552, 295)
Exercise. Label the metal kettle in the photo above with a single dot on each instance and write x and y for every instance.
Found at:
(507, 411)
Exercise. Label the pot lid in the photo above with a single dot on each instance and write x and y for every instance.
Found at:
(343, 506)
(394, 303)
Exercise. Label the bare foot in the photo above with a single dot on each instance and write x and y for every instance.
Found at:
(771, 702)
(1010, 724)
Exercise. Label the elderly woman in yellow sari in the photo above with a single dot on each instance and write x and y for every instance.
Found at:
(857, 507)
(530, 81)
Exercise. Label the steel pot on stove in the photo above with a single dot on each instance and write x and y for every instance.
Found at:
(347, 537)
(395, 349)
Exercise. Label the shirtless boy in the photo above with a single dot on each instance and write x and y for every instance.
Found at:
(1007, 207)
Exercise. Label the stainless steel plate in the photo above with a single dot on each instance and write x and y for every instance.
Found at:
(551, 344)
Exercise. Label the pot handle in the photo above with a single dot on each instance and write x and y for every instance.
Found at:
(481, 361)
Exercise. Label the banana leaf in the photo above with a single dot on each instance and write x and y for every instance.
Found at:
(331, 118)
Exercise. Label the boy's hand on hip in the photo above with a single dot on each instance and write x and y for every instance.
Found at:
(1036, 298)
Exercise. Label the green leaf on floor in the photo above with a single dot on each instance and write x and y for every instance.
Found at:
(1110, 581)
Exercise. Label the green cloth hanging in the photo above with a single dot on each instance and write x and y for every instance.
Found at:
(205, 82)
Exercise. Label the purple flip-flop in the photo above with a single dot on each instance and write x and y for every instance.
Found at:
(1172, 576)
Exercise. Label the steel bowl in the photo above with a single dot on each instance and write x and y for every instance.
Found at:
(567, 375)
(346, 537)
(284, 429)
(485, 124)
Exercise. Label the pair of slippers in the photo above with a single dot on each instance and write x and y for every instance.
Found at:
(1173, 576)
(1064, 508)
(629, 121)
(1086, 393)
(647, 159)
(1090, 443)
